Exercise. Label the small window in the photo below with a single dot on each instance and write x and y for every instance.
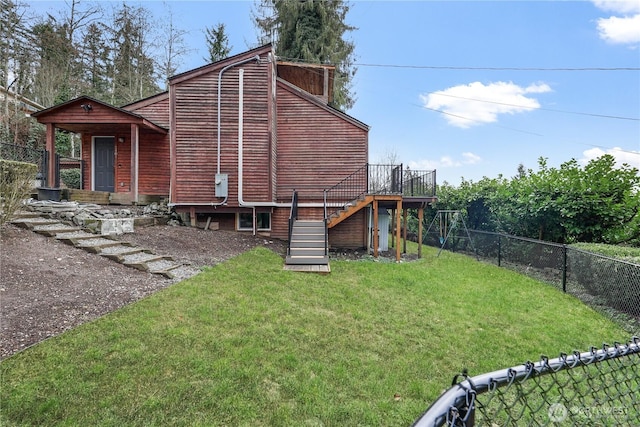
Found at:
(263, 219)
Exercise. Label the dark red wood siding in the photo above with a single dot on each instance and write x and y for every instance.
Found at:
(154, 174)
(155, 109)
(195, 127)
(317, 146)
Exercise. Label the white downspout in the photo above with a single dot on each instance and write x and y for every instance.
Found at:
(241, 201)
(253, 58)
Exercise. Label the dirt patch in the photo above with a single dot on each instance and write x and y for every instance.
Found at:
(48, 287)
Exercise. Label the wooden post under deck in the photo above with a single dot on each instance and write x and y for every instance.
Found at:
(420, 217)
(51, 153)
(398, 209)
(405, 212)
(375, 229)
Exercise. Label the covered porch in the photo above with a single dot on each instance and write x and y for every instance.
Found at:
(125, 153)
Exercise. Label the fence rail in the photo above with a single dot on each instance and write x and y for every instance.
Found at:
(597, 387)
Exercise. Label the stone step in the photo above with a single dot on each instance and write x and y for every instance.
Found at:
(72, 237)
(117, 253)
(163, 267)
(51, 230)
(115, 250)
(96, 244)
(141, 260)
(29, 223)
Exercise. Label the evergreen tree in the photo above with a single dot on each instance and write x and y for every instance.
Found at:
(133, 67)
(311, 31)
(217, 43)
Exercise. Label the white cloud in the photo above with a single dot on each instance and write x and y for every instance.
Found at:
(618, 6)
(632, 158)
(623, 29)
(467, 158)
(476, 103)
(470, 158)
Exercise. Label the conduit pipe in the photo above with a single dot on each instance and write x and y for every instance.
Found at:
(219, 121)
(241, 201)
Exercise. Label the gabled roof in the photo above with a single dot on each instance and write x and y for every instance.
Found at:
(85, 112)
(319, 102)
(220, 64)
(27, 105)
(150, 100)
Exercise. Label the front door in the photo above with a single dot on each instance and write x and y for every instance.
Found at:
(103, 166)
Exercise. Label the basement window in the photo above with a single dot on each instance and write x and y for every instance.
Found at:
(263, 220)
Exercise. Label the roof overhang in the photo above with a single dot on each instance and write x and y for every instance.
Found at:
(88, 115)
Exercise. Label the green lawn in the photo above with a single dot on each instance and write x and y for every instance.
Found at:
(246, 343)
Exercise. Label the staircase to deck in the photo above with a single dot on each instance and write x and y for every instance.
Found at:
(307, 244)
(348, 209)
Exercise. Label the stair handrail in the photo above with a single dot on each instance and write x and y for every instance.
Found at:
(326, 227)
(349, 188)
(293, 215)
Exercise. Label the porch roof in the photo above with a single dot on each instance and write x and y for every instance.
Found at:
(85, 114)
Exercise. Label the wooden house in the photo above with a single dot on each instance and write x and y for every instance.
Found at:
(248, 144)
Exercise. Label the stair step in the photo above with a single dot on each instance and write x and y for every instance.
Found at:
(162, 266)
(117, 253)
(51, 230)
(72, 237)
(307, 260)
(295, 243)
(307, 251)
(308, 222)
(29, 223)
(96, 244)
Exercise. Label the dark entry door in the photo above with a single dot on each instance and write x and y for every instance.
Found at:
(104, 172)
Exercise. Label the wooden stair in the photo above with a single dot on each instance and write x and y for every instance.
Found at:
(349, 209)
(307, 246)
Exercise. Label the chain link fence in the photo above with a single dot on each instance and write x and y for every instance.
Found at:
(599, 387)
(607, 284)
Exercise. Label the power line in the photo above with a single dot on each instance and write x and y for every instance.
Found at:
(524, 131)
(539, 108)
(448, 67)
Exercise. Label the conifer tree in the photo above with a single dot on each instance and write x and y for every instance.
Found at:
(217, 43)
(311, 31)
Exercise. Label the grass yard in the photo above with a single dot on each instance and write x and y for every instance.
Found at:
(246, 343)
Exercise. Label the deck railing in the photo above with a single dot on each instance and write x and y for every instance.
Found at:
(380, 179)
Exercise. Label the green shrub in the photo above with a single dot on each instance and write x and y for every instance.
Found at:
(625, 253)
(16, 181)
(71, 177)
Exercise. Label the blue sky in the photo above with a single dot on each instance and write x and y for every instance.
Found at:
(474, 89)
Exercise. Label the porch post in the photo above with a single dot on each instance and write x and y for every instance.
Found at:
(50, 145)
(376, 240)
(134, 162)
(398, 210)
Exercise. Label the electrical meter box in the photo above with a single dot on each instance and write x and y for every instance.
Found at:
(222, 185)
